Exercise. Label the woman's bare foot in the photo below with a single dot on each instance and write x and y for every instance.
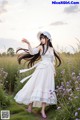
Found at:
(43, 114)
(29, 109)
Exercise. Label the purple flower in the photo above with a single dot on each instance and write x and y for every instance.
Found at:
(60, 88)
(77, 88)
(76, 113)
(76, 82)
(73, 73)
(63, 71)
(76, 97)
(68, 90)
(67, 83)
(63, 89)
(78, 108)
(78, 78)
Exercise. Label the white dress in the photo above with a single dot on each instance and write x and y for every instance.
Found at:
(41, 85)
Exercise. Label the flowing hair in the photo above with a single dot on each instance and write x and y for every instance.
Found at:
(33, 58)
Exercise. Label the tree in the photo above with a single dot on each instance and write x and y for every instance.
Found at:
(10, 51)
(3, 54)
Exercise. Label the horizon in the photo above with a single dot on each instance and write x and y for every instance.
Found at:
(25, 18)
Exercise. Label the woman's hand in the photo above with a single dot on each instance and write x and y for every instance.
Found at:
(25, 41)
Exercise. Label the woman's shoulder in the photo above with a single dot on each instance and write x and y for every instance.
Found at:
(40, 47)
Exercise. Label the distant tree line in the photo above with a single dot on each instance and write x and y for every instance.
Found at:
(10, 52)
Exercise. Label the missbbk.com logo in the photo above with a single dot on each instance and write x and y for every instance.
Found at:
(65, 2)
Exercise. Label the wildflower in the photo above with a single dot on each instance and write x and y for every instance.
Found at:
(6, 81)
(64, 89)
(63, 71)
(73, 77)
(71, 94)
(67, 103)
(58, 107)
(76, 113)
(77, 88)
(62, 83)
(68, 90)
(78, 108)
(78, 78)
(77, 119)
(76, 97)
(67, 83)
(70, 98)
(73, 73)
(57, 86)
(76, 82)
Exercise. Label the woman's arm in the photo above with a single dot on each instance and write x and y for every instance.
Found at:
(31, 50)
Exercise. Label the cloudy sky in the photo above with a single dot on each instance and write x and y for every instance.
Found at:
(25, 18)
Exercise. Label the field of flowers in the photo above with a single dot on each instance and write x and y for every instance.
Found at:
(67, 89)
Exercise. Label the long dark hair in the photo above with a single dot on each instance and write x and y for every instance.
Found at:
(33, 58)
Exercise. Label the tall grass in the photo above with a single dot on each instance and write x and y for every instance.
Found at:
(11, 66)
(67, 86)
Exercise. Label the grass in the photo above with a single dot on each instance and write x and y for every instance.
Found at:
(67, 86)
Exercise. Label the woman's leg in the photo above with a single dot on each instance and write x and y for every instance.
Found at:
(30, 106)
(43, 109)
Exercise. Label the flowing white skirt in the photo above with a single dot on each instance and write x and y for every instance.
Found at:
(40, 87)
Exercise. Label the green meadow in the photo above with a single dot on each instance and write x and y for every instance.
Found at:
(67, 89)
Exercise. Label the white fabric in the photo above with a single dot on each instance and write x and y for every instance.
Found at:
(25, 70)
(33, 50)
(44, 33)
(41, 86)
(47, 34)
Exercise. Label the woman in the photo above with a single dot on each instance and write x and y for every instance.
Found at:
(39, 91)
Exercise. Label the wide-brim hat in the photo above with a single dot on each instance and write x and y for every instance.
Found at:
(47, 34)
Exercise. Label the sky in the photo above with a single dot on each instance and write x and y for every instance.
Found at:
(25, 18)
